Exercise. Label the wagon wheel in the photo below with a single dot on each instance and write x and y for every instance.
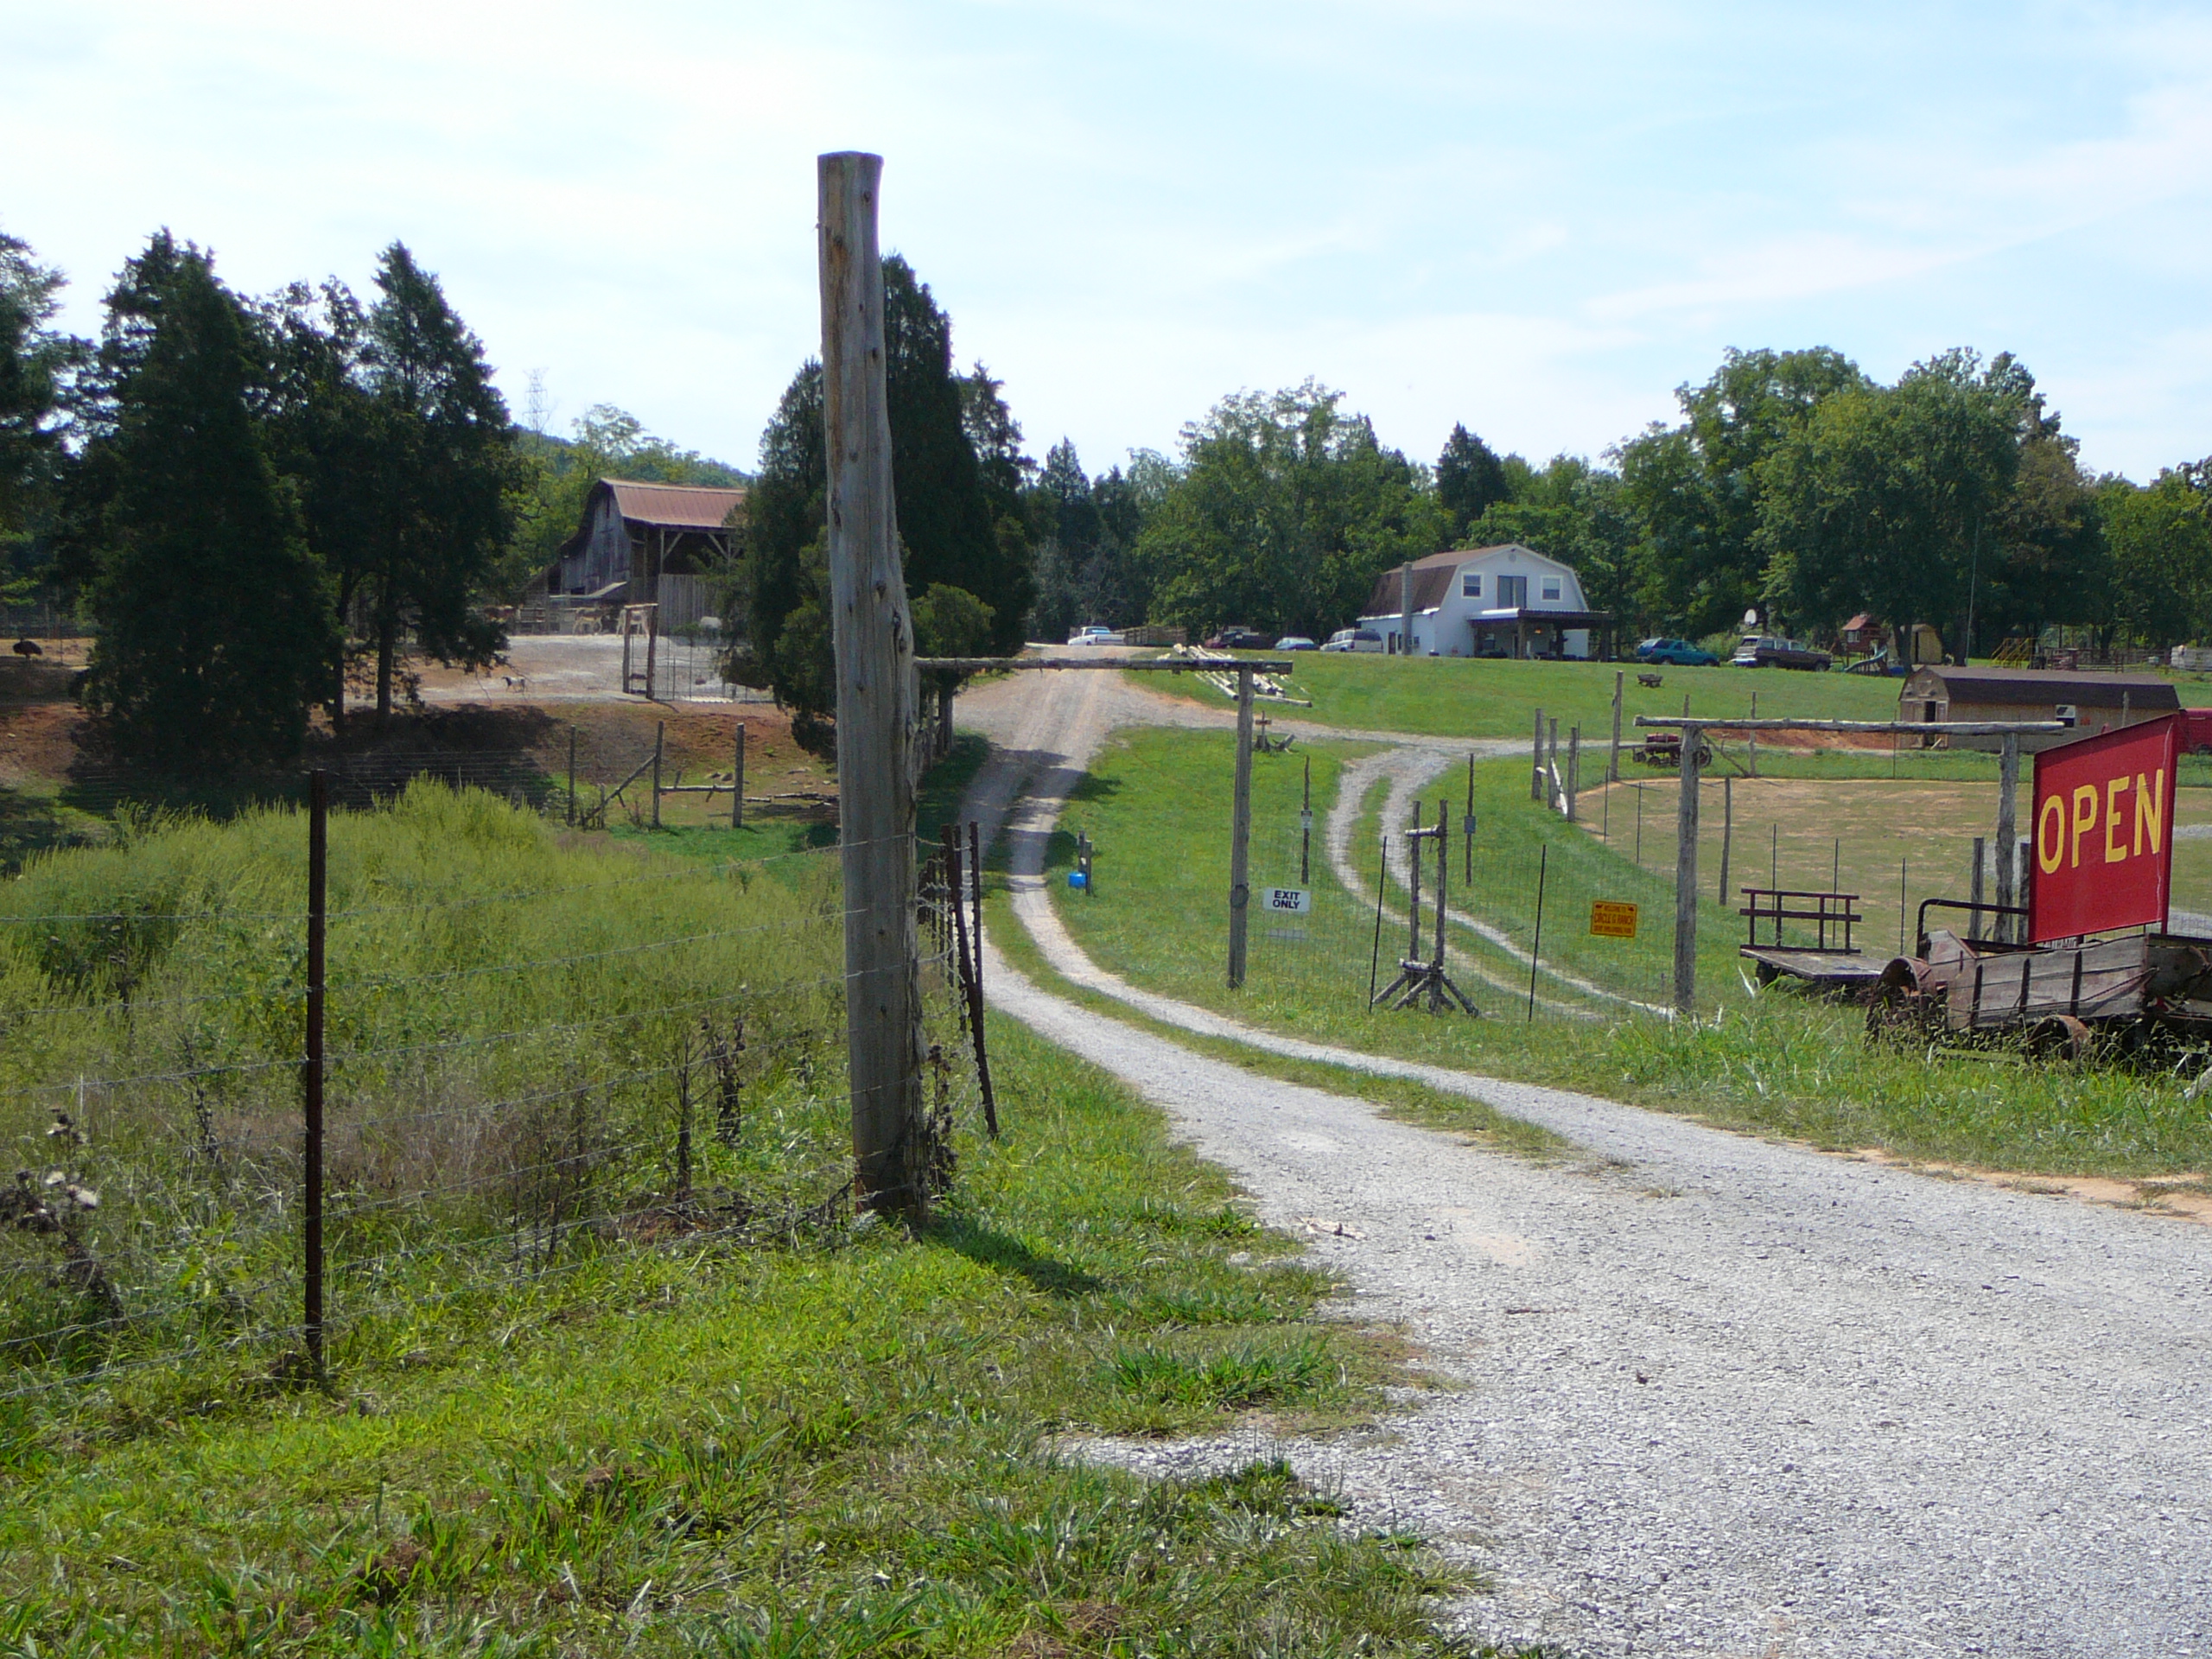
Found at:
(1704, 756)
(1898, 1011)
(2060, 1040)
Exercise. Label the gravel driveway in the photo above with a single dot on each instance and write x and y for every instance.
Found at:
(1713, 1394)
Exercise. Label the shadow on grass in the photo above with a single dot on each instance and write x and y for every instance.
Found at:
(1003, 1253)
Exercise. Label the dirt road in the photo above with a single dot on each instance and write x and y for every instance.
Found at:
(1713, 1394)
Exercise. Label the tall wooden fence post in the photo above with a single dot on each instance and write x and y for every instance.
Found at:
(875, 641)
(2008, 789)
(737, 783)
(311, 1071)
(1728, 831)
(1536, 762)
(572, 777)
(1686, 874)
(1614, 765)
(660, 734)
(1240, 831)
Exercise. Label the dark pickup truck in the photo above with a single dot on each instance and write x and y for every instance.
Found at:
(1768, 651)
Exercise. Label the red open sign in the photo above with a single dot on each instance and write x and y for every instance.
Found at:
(2104, 842)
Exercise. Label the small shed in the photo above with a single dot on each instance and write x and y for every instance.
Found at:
(2088, 702)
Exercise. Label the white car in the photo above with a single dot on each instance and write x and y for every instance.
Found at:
(1094, 635)
(1354, 639)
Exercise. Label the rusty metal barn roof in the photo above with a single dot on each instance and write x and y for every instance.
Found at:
(673, 506)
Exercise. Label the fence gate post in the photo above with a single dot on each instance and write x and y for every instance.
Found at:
(1573, 770)
(311, 1071)
(1686, 874)
(1240, 831)
(875, 637)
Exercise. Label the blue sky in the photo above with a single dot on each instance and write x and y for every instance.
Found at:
(1536, 218)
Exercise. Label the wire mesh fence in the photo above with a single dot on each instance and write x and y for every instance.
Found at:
(1360, 925)
(533, 1055)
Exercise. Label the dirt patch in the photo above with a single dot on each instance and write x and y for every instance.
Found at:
(2186, 1196)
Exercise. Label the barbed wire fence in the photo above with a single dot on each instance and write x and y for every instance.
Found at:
(520, 1071)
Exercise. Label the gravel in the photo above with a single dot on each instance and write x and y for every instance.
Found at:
(1710, 1394)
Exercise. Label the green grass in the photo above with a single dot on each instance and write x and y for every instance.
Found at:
(1773, 1064)
(519, 1024)
(1470, 697)
(840, 1448)
(1455, 696)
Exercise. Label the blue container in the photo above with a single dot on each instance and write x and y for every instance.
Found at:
(1078, 879)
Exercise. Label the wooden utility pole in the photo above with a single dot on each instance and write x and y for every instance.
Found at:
(1406, 606)
(1240, 831)
(1686, 875)
(875, 640)
(2008, 840)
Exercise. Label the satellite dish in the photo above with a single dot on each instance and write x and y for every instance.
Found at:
(1751, 618)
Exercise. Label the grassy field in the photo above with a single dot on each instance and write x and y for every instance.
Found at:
(840, 1448)
(677, 1415)
(1455, 696)
(1774, 1063)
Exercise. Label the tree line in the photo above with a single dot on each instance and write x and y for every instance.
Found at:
(271, 505)
(1794, 484)
(266, 504)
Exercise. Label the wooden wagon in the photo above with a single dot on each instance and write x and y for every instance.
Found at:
(2059, 997)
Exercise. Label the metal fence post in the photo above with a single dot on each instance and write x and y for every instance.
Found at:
(572, 777)
(737, 784)
(660, 731)
(1536, 944)
(311, 1071)
(1240, 831)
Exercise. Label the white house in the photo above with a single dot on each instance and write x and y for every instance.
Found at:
(1486, 601)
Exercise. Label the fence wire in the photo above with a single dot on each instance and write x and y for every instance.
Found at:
(518, 1084)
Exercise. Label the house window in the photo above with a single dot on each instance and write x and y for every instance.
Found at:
(1471, 586)
(1551, 586)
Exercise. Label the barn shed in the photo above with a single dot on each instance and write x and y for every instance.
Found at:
(2088, 702)
(640, 544)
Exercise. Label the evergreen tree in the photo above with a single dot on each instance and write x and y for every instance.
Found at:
(33, 363)
(958, 510)
(320, 425)
(444, 461)
(216, 629)
(1470, 480)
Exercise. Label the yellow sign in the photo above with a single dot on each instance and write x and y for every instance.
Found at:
(1612, 919)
